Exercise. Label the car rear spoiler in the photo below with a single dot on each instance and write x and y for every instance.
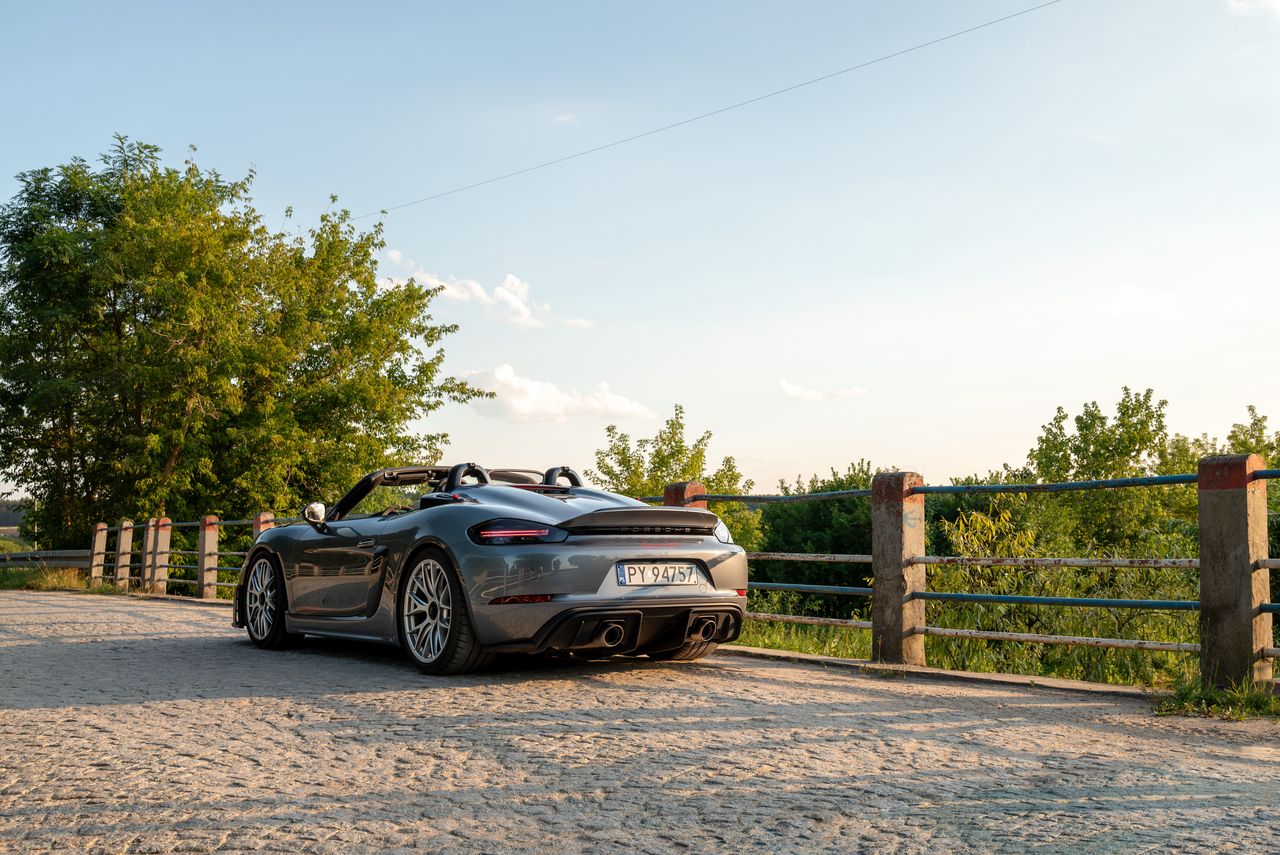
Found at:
(643, 521)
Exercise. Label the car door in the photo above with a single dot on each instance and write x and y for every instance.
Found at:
(334, 569)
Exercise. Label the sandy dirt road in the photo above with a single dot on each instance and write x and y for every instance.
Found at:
(147, 726)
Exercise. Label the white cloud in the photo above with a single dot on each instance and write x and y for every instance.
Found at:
(510, 300)
(1249, 7)
(565, 119)
(513, 296)
(462, 290)
(791, 390)
(528, 400)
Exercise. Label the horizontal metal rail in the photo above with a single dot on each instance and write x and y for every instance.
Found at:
(1271, 652)
(1059, 486)
(229, 569)
(813, 621)
(823, 557)
(225, 584)
(186, 524)
(178, 566)
(1267, 563)
(1070, 640)
(1075, 602)
(77, 558)
(1264, 474)
(231, 554)
(1056, 562)
(811, 589)
(1271, 608)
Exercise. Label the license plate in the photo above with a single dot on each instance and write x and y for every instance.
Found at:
(658, 574)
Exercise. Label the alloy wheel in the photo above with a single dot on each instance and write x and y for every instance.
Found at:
(260, 598)
(427, 610)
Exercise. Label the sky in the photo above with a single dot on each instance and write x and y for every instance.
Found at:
(914, 263)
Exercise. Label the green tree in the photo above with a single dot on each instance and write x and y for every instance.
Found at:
(819, 526)
(163, 352)
(646, 466)
(1134, 442)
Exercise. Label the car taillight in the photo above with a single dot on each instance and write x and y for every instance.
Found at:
(742, 592)
(504, 532)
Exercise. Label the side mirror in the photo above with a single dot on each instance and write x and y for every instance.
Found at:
(314, 513)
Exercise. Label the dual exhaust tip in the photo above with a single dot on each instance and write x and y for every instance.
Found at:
(613, 633)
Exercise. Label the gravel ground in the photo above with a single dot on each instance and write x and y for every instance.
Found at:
(148, 726)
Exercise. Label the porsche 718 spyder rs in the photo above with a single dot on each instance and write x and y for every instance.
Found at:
(512, 561)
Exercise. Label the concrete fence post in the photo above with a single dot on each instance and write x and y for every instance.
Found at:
(207, 560)
(160, 556)
(148, 554)
(97, 554)
(124, 554)
(897, 536)
(1233, 587)
(262, 522)
(679, 495)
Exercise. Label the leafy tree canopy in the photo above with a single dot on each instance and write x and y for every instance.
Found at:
(163, 352)
(645, 467)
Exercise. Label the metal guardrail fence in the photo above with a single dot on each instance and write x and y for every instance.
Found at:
(688, 494)
(143, 564)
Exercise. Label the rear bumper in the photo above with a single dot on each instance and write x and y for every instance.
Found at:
(644, 627)
(580, 574)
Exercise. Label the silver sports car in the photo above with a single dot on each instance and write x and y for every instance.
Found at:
(457, 564)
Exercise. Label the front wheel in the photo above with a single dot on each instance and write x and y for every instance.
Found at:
(433, 618)
(264, 605)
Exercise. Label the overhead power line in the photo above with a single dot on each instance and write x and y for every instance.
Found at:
(922, 45)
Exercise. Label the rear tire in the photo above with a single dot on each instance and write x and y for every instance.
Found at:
(687, 653)
(433, 619)
(265, 605)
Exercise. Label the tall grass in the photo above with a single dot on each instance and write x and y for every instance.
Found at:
(42, 579)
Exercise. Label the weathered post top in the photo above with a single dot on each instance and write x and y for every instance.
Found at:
(1233, 582)
(897, 536)
(678, 495)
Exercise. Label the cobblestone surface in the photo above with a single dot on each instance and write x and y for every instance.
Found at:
(144, 726)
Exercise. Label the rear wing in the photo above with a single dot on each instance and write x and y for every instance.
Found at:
(643, 521)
